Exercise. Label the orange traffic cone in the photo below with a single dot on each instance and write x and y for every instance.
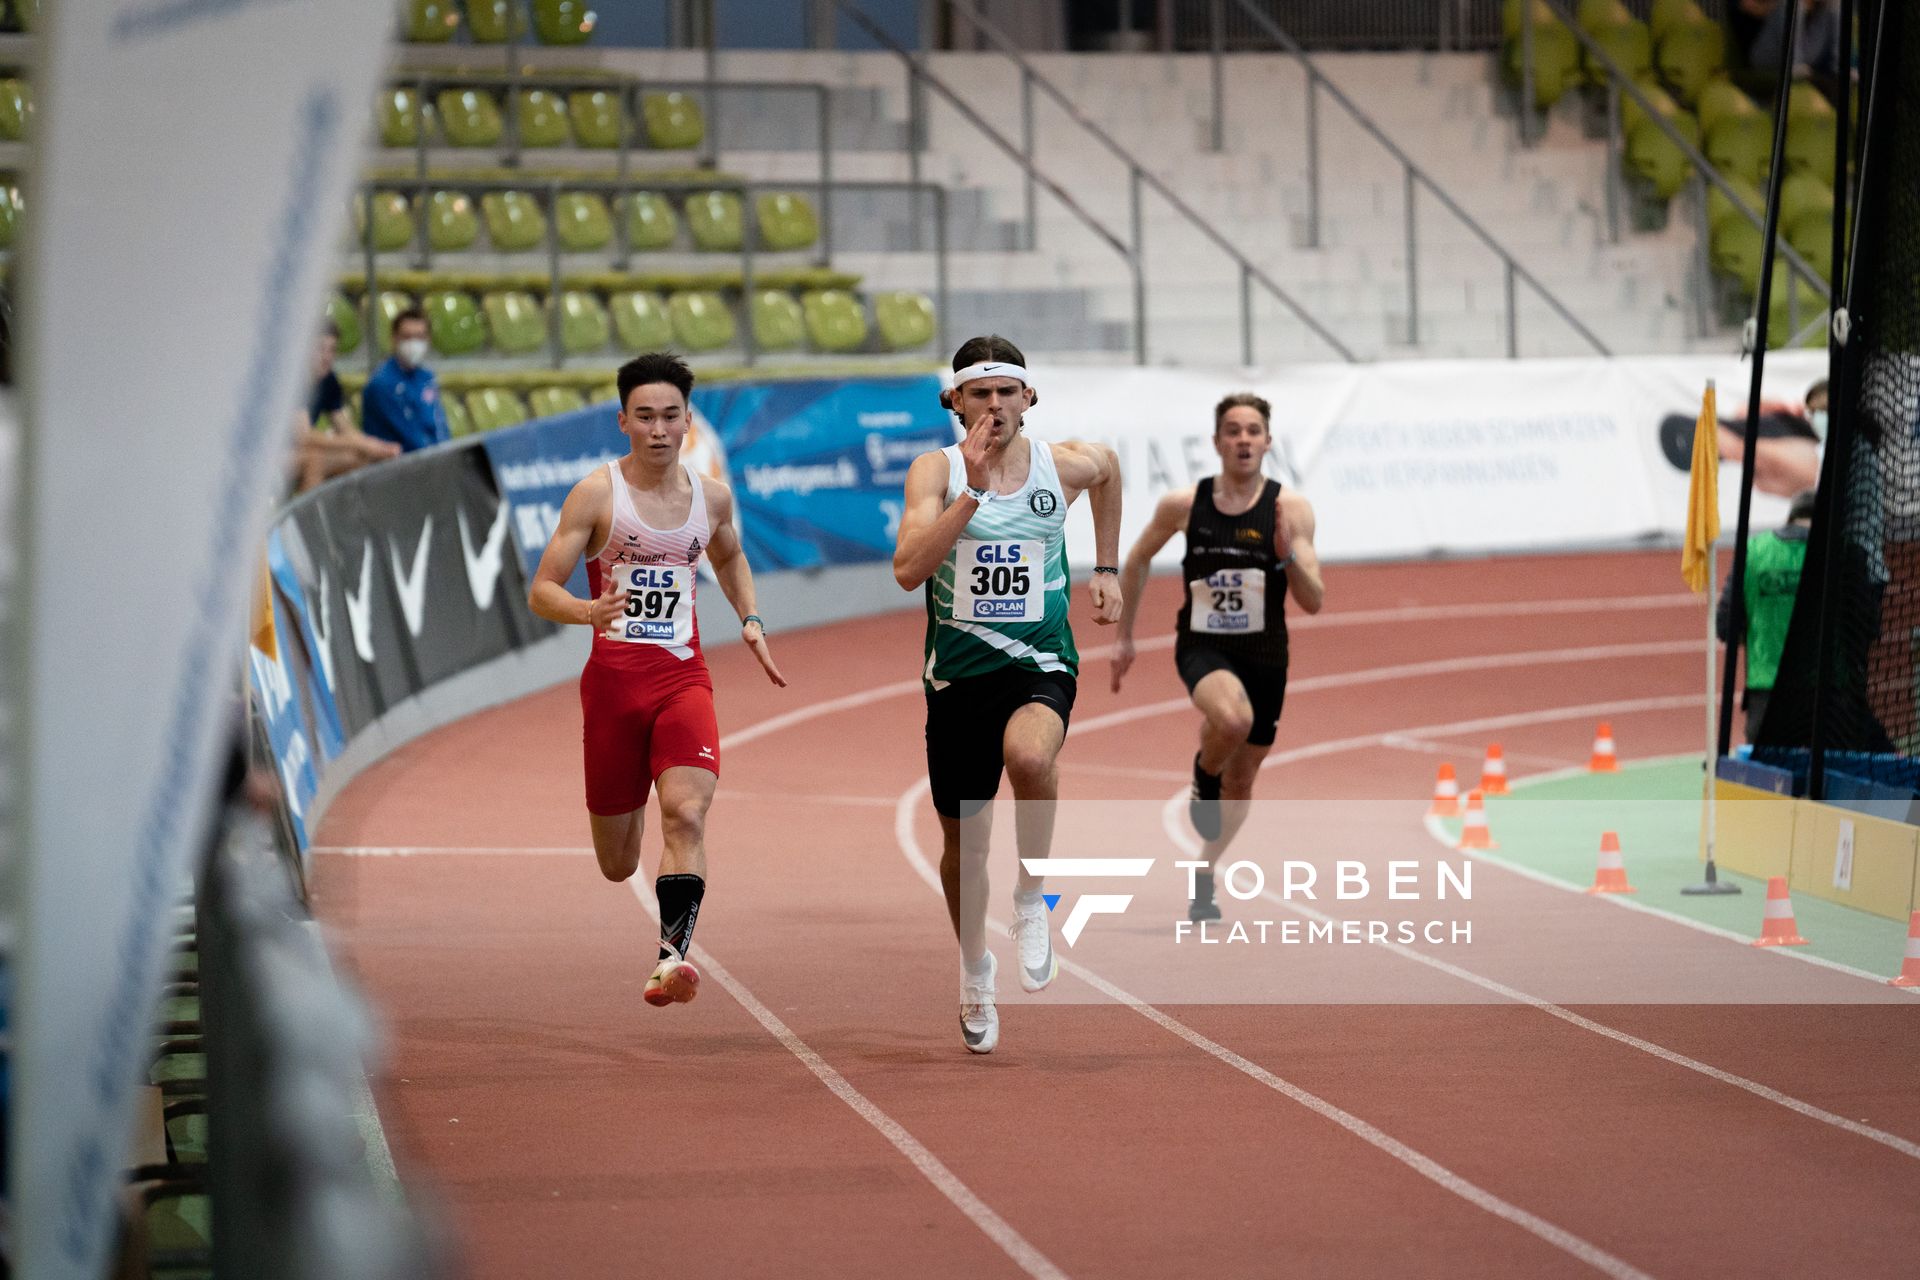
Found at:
(1493, 774)
(1603, 760)
(1777, 928)
(1473, 827)
(1611, 876)
(1910, 967)
(1446, 795)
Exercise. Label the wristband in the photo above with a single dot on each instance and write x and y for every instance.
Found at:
(1284, 563)
(754, 617)
(981, 496)
(1106, 568)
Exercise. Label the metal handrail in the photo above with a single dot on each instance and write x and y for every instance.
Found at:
(1317, 82)
(1138, 176)
(1621, 82)
(552, 187)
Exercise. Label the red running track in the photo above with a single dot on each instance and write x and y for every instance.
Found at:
(814, 1114)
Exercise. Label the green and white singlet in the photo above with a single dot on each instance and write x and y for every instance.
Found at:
(1000, 597)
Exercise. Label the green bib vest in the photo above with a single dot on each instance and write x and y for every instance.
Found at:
(1773, 579)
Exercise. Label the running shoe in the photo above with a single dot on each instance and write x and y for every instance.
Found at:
(1038, 966)
(1203, 804)
(674, 981)
(1203, 909)
(979, 1020)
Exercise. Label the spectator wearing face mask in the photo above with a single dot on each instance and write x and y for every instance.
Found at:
(402, 399)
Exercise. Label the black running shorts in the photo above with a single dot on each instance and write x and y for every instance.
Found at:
(1266, 684)
(967, 726)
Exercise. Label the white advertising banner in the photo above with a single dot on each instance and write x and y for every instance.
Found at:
(1440, 457)
(191, 170)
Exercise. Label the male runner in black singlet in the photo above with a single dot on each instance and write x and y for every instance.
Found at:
(1249, 543)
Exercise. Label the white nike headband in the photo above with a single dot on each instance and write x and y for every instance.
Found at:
(991, 369)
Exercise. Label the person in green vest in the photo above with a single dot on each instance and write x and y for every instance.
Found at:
(984, 535)
(1775, 558)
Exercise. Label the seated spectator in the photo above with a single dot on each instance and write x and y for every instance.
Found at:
(1818, 52)
(327, 443)
(402, 401)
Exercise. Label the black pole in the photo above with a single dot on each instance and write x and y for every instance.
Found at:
(1843, 375)
(1769, 235)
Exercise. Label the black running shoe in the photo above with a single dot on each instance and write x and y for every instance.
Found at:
(1203, 909)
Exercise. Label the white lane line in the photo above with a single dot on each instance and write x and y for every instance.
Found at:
(1427, 1167)
(422, 850)
(1024, 1255)
(1470, 752)
(802, 797)
(1417, 670)
(1175, 807)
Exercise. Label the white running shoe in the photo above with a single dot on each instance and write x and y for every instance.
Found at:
(1038, 966)
(674, 981)
(979, 1020)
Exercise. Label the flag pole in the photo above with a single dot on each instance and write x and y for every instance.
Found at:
(1710, 798)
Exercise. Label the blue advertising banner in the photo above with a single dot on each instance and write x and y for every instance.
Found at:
(817, 465)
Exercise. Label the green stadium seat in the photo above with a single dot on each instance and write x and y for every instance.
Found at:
(1741, 146)
(714, 219)
(651, 221)
(1720, 98)
(583, 323)
(1805, 198)
(9, 215)
(1663, 103)
(495, 21)
(835, 321)
(606, 393)
(514, 221)
(469, 118)
(459, 421)
(1628, 42)
(1720, 209)
(516, 320)
(392, 221)
(543, 119)
(1793, 299)
(454, 323)
(431, 21)
(494, 407)
(1666, 13)
(1597, 15)
(562, 21)
(777, 323)
(1734, 248)
(596, 118)
(1804, 100)
(1652, 155)
(905, 320)
(1691, 53)
(551, 402)
(16, 109)
(399, 111)
(1812, 238)
(1810, 143)
(389, 304)
(701, 321)
(640, 321)
(1556, 60)
(582, 222)
(346, 319)
(453, 223)
(787, 221)
(674, 121)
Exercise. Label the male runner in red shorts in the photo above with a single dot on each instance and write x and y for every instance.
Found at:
(643, 523)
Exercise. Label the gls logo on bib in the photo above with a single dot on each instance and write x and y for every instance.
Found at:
(998, 581)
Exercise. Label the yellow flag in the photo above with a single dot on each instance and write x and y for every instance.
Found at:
(260, 630)
(1703, 496)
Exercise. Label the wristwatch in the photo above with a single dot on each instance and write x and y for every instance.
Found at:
(981, 496)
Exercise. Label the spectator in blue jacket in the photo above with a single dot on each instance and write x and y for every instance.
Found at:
(402, 399)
